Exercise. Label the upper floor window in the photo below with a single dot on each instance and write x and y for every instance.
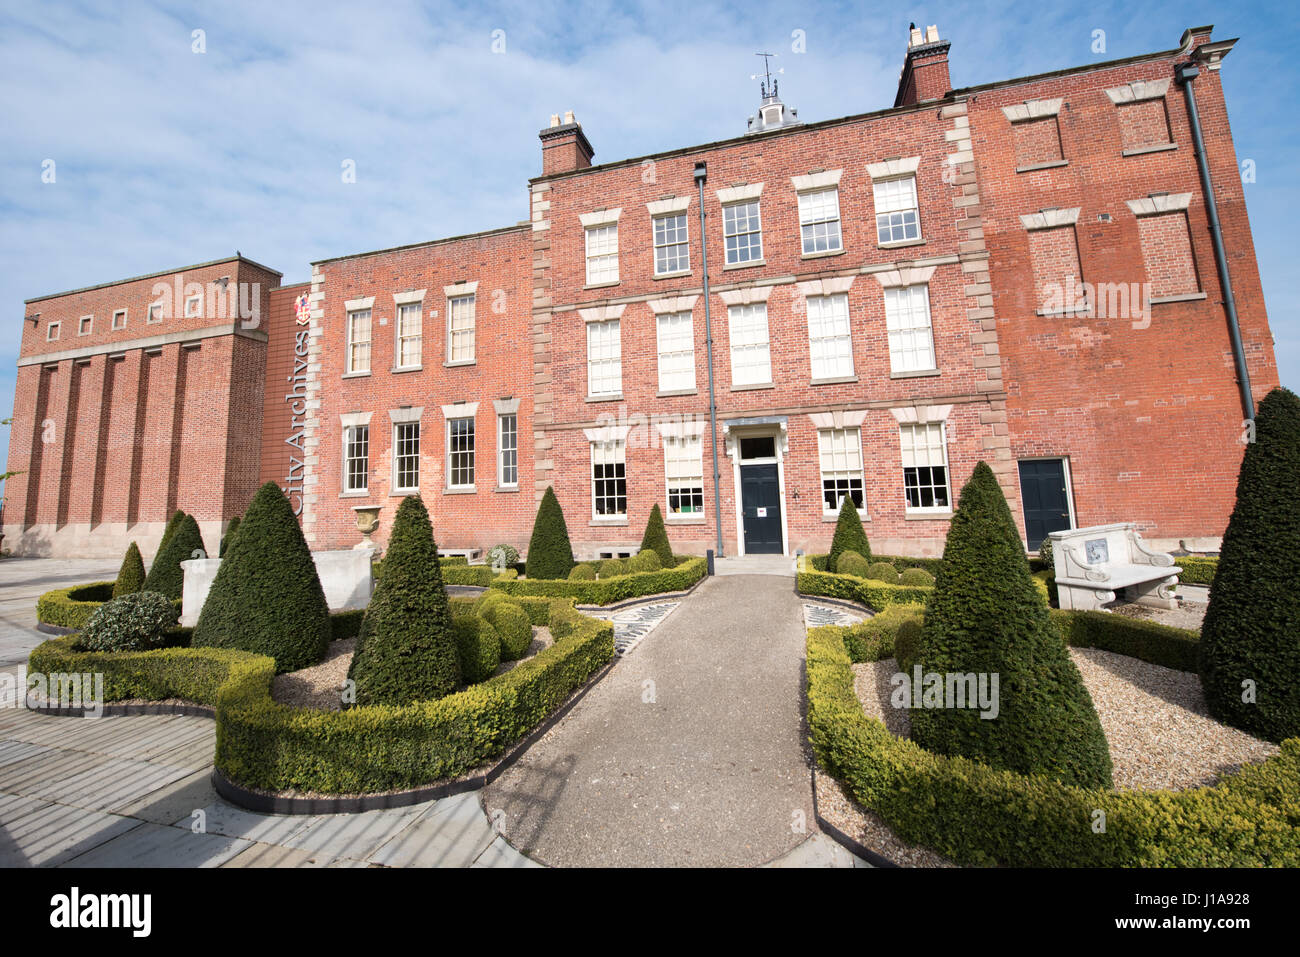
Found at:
(602, 254)
(830, 344)
(897, 212)
(676, 343)
(409, 337)
(911, 338)
(358, 357)
(604, 358)
(819, 221)
(751, 360)
(671, 242)
(52, 332)
(155, 314)
(356, 458)
(925, 467)
(1143, 116)
(85, 325)
(742, 232)
(460, 329)
(406, 456)
(119, 319)
(193, 306)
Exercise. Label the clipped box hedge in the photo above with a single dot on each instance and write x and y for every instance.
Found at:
(1196, 570)
(977, 815)
(481, 575)
(263, 744)
(606, 591)
(72, 607)
(1148, 640)
(865, 591)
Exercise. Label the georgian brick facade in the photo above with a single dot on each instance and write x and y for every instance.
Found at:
(911, 311)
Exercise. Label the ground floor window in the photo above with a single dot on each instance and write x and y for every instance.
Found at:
(406, 457)
(841, 464)
(609, 479)
(356, 458)
(508, 449)
(925, 467)
(460, 453)
(683, 462)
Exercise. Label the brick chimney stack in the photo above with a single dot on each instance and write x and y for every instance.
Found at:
(564, 146)
(925, 69)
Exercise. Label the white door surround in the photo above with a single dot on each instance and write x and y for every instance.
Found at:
(773, 427)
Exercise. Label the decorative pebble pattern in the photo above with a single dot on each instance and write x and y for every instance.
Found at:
(817, 615)
(633, 624)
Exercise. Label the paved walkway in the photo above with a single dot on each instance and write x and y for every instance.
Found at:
(690, 752)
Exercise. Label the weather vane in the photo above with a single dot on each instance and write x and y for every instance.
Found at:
(766, 77)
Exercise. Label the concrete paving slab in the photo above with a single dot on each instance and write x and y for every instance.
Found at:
(454, 839)
(222, 818)
(50, 834)
(153, 845)
(355, 836)
(819, 850)
(500, 854)
(273, 855)
(11, 751)
(42, 775)
(172, 802)
(110, 784)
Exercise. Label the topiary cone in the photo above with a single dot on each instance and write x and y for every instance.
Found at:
(656, 538)
(267, 597)
(130, 577)
(170, 529)
(229, 537)
(165, 574)
(407, 648)
(986, 617)
(849, 535)
(549, 553)
(1250, 640)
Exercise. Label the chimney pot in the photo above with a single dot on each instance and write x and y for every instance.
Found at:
(568, 117)
(555, 119)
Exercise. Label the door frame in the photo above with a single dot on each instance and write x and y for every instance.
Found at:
(733, 435)
(1069, 490)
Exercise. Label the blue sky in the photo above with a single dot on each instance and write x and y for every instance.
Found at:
(166, 157)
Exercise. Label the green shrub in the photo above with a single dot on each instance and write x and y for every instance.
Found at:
(611, 567)
(550, 555)
(849, 535)
(985, 616)
(582, 573)
(169, 529)
(502, 556)
(266, 597)
(644, 561)
(883, 572)
(480, 575)
(873, 639)
(874, 594)
(513, 627)
(134, 622)
(229, 537)
(851, 563)
(655, 539)
(914, 577)
(165, 574)
(1251, 631)
(907, 644)
(406, 650)
(130, 577)
(607, 591)
(1045, 553)
(1196, 569)
(346, 624)
(478, 648)
(486, 600)
(1148, 640)
(564, 618)
(72, 607)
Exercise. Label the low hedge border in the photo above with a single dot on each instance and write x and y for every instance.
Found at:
(72, 607)
(263, 746)
(1196, 570)
(976, 815)
(607, 591)
(1148, 640)
(874, 594)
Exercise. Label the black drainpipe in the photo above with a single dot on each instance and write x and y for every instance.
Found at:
(701, 173)
(1184, 73)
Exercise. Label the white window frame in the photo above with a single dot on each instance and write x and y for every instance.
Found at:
(809, 219)
(198, 311)
(825, 333)
(353, 343)
(466, 333)
(501, 449)
(912, 427)
(599, 272)
(735, 320)
(612, 332)
(684, 318)
(619, 448)
(86, 325)
(886, 202)
(349, 434)
(681, 247)
(402, 314)
(114, 325)
(683, 442)
(398, 456)
(729, 259)
(900, 307)
(838, 472)
(53, 331)
(472, 452)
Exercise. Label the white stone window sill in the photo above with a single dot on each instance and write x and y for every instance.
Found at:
(1035, 167)
(613, 397)
(750, 264)
(597, 522)
(356, 375)
(694, 518)
(831, 518)
(835, 380)
(824, 253)
(1143, 150)
(363, 494)
(918, 515)
(914, 374)
(1181, 297)
(901, 243)
(756, 385)
(459, 362)
(403, 492)
(506, 488)
(673, 392)
(601, 285)
(397, 369)
(459, 490)
(672, 275)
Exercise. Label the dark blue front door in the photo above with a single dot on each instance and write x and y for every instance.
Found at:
(1046, 502)
(760, 504)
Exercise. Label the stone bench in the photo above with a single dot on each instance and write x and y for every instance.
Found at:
(344, 577)
(1093, 564)
(470, 554)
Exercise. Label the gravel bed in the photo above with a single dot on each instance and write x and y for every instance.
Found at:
(1188, 614)
(867, 828)
(871, 685)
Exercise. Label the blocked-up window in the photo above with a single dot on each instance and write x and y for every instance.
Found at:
(609, 479)
(840, 451)
(829, 342)
(119, 319)
(1054, 253)
(684, 465)
(676, 340)
(1037, 141)
(1144, 123)
(406, 457)
(751, 360)
(925, 467)
(911, 336)
(1167, 251)
(604, 358)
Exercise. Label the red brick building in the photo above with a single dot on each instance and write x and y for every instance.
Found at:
(1022, 272)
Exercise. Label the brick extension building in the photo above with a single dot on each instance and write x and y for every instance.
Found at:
(1022, 272)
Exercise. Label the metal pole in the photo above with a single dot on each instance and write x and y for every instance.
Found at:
(701, 173)
(1184, 74)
